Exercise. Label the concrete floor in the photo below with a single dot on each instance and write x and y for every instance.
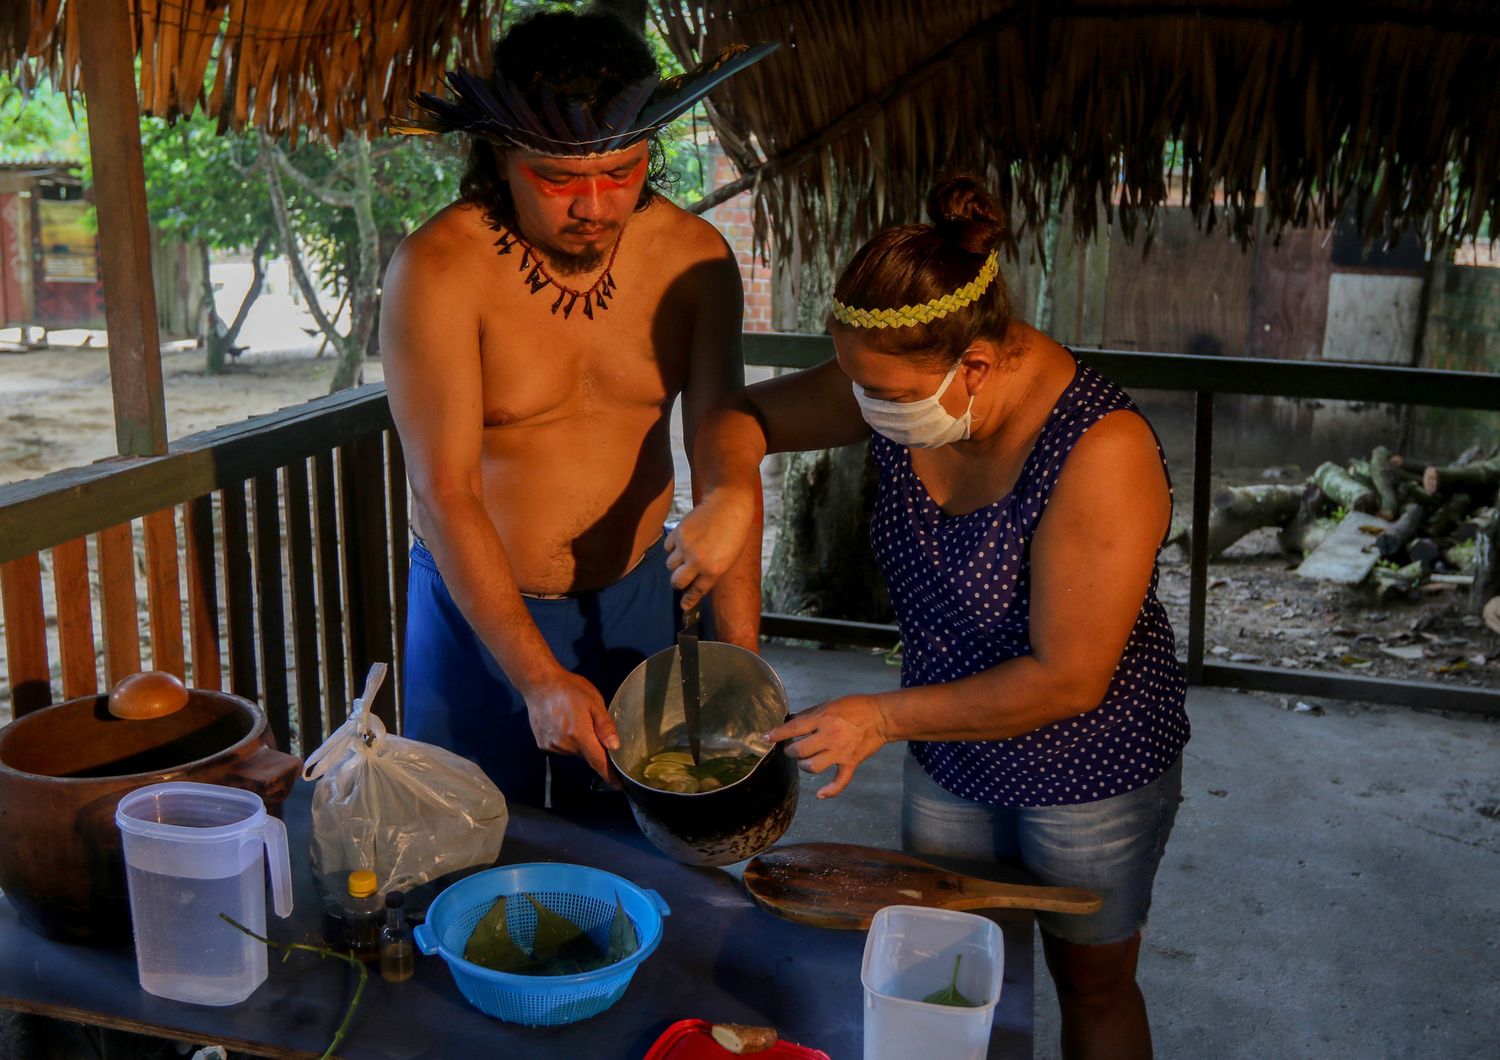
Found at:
(1331, 889)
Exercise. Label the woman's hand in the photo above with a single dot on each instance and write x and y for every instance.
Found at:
(842, 732)
(708, 540)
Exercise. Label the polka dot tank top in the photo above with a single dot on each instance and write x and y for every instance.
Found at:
(961, 589)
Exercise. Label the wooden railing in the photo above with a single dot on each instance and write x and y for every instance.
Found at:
(292, 529)
(1206, 377)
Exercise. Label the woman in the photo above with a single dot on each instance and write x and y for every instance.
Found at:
(1021, 507)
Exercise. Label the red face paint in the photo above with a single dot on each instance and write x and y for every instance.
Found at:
(578, 186)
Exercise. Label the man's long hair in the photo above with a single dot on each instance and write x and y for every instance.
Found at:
(585, 58)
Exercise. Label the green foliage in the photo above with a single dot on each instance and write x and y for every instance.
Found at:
(949, 995)
(411, 179)
(491, 945)
(558, 947)
(37, 124)
(201, 186)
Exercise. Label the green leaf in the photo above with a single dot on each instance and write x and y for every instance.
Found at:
(491, 944)
(623, 940)
(555, 934)
(949, 995)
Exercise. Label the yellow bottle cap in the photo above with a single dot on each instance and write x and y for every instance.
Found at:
(361, 883)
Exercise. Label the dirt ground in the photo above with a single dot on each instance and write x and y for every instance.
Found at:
(1259, 611)
(55, 412)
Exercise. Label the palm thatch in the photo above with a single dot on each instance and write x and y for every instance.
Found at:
(1260, 113)
(325, 66)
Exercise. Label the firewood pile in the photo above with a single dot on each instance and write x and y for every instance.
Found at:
(1441, 527)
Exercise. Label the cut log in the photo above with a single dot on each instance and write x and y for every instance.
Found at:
(1426, 551)
(1237, 510)
(1359, 471)
(1384, 481)
(1448, 516)
(1305, 530)
(1400, 583)
(1486, 570)
(1344, 489)
(1393, 541)
(1480, 477)
(1415, 468)
(1491, 613)
(1411, 492)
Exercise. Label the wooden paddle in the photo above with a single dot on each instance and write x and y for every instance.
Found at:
(839, 885)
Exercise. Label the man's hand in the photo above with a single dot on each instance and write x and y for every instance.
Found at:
(568, 716)
(708, 541)
(842, 732)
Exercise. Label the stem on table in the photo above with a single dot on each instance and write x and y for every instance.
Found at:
(288, 948)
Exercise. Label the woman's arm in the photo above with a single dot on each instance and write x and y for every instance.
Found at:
(1091, 563)
(811, 409)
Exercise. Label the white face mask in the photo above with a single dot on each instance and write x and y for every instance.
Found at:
(919, 424)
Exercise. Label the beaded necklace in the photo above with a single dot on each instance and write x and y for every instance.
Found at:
(597, 296)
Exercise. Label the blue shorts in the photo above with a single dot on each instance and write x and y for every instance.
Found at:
(1112, 846)
(458, 697)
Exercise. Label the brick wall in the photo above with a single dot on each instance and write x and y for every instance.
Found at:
(735, 221)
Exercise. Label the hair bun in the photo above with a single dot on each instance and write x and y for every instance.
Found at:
(965, 214)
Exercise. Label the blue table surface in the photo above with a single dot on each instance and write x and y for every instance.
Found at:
(722, 959)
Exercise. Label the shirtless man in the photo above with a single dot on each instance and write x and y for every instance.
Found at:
(535, 335)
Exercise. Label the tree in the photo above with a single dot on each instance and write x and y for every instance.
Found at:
(35, 122)
(821, 564)
(346, 208)
(206, 189)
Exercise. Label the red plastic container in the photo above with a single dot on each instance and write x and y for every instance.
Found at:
(691, 1040)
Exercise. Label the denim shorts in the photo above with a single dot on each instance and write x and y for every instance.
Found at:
(1112, 846)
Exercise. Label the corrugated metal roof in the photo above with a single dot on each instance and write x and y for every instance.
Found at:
(11, 159)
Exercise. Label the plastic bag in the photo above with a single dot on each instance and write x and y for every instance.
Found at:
(409, 811)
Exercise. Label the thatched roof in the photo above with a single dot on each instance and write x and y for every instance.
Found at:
(1300, 108)
(1303, 108)
(324, 66)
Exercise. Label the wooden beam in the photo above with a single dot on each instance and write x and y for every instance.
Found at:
(66, 504)
(108, 60)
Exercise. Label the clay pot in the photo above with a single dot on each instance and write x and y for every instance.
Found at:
(63, 770)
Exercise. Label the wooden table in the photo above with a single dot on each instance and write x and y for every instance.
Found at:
(721, 958)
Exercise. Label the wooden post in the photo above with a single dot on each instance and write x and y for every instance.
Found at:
(108, 52)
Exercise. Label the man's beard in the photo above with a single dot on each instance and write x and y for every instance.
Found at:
(574, 263)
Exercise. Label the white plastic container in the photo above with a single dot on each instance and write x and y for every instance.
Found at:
(193, 851)
(910, 954)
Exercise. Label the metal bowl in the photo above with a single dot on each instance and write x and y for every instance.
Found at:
(742, 699)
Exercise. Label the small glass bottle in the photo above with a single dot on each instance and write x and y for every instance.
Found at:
(362, 915)
(397, 958)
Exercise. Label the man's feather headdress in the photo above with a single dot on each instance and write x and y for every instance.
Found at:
(495, 110)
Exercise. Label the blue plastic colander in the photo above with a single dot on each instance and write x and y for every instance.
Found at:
(584, 895)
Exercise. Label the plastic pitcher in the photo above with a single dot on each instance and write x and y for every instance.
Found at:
(193, 851)
(910, 953)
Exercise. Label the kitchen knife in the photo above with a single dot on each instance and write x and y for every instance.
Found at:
(687, 649)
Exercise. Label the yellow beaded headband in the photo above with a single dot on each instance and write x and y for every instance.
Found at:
(911, 315)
